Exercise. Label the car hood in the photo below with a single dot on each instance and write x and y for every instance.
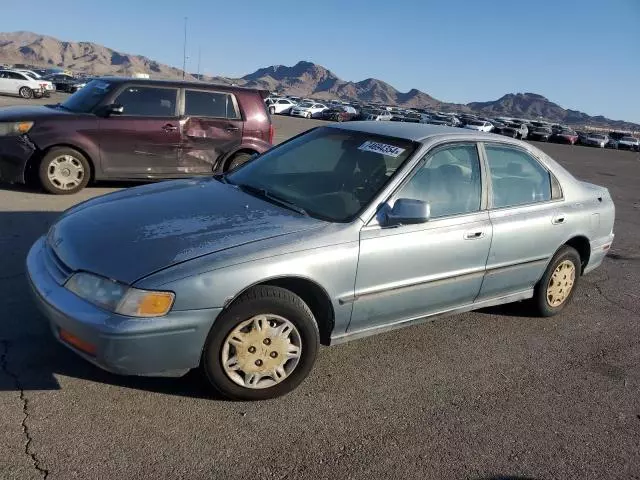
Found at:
(20, 113)
(133, 233)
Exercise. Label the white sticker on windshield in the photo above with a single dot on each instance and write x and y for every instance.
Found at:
(382, 148)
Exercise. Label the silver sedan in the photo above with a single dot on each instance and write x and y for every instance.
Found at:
(343, 232)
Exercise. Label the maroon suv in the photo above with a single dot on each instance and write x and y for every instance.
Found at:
(133, 129)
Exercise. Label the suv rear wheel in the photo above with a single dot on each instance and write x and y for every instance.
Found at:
(64, 171)
(237, 160)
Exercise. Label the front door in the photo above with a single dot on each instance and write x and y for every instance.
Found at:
(528, 218)
(409, 271)
(9, 82)
(211, 128)
(143, 141)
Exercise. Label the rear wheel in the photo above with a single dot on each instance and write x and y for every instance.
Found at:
(26, 92)
(272, 110)
(263, 346)
(64, 171)
(237, 160)
(557, 286)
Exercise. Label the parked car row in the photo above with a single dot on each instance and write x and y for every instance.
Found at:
(31, 84)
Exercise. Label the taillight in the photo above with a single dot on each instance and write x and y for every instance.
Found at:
(272, 132)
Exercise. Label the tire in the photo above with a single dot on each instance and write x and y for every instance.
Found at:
(272, 110)
(542, 302)
(272, 304)
(26, 92)
(339, 119)
(309, 115)
(237, 160)
(64, 171)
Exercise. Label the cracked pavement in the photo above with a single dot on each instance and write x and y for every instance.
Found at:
(484, 395)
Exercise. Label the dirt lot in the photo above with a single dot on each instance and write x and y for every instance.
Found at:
(486, 395)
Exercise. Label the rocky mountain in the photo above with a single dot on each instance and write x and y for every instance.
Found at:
(532, 105)
(33, 49)
(304, 79)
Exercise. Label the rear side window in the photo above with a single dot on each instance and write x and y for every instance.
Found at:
(199, 103)
(148, 101)
(516, 177)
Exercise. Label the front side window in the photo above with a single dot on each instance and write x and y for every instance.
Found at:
(148, 101)
(516, 177)
(199, 103)
(331, 173)
(449, 181)
(88, 97)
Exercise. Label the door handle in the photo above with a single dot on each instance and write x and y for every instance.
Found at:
(169, 128)
(232, 129)
(558, 219)
(473, 235)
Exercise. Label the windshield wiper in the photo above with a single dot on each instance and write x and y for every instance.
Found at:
(59, 105)
(265, 194)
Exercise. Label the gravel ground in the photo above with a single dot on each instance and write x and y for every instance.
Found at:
(485, 395)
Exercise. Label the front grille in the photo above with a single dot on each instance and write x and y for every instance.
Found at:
(56, 267)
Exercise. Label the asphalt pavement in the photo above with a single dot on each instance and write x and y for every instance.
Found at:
(494, 394)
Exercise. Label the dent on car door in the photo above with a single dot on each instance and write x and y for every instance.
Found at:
(409, 271)
(143, 141)
(529, 223)
(211, 128)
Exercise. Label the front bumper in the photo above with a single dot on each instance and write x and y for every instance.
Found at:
(163, 346)
(15, 152)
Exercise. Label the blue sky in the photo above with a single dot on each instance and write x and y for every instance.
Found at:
(582, 54)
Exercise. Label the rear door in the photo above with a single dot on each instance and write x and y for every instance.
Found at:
(528, 218)
(143, 141)
(211, 127)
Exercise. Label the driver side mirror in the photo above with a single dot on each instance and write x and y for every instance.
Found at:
(407, 211)
(112, 109)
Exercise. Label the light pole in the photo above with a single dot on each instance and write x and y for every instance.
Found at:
(199, 51)
(184, 51)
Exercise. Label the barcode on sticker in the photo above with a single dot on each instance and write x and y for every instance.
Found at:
(383, 148)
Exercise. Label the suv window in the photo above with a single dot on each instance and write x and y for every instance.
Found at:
(449, 181)
(284, 102)
(200, 103)
(516, 177)
(148, 101)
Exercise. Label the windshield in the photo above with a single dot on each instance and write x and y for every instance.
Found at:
(598, 137)
(86, 99)
(476, 123)
(628, 139)
(330, 173)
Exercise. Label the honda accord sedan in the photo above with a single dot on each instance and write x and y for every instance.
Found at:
(345, 231)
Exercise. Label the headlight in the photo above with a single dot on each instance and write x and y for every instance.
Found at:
(14, 128)
(119, 298)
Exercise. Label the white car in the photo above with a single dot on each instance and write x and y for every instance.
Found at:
(280, 105)
(595, 140)
(308, 110)
(479, 125)
(379, 116)
(16, 83)
(49, 87)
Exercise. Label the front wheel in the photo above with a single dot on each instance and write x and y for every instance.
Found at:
(263, 346)
(557, 286)
(26, 92)
(64, 171)
(308, 115)
(272, 110)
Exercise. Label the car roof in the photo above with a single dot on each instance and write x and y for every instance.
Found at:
(417, 132)
(178, 83)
